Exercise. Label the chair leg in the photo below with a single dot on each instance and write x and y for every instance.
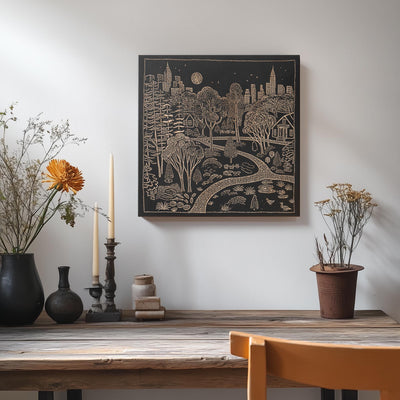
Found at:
(327, 394)
(349, 395)
(45, 395)
(74, 394)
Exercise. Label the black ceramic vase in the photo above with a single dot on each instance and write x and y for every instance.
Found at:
(21, 291)
(64, 305)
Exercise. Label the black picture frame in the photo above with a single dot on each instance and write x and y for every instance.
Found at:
(219, 135)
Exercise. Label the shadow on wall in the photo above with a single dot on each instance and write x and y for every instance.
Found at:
(168, 263)
(305, 145)
(384, 278)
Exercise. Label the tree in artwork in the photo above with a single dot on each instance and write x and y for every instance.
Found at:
(168, 174)
(230, 150)
(213, 108)
(255, 123)
(277, 160)
(254, 204)
(156, 132)
(197, 176)
(236, 107)
(184, 155)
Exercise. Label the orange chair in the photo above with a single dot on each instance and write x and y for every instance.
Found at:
(318, 365)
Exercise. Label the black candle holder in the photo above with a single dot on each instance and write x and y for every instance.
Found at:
(109, 312)
(95, 291)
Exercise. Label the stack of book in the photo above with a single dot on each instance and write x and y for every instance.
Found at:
(149, 307)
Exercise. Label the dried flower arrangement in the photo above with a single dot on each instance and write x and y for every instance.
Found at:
(25, 205)
(346, 214)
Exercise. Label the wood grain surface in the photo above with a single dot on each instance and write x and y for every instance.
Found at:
(188, 349)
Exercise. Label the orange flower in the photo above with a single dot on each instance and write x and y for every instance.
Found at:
(63, 176)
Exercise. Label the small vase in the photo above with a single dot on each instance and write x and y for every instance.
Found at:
(337, 290)
(21, 291)
(64, 306)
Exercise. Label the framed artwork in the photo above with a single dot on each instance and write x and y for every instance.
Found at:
(219, 135)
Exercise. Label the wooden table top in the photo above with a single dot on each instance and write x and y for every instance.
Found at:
(188, 349)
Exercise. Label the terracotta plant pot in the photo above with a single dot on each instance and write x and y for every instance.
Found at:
(337, 290)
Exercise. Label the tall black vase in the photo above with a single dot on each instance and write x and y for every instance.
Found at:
(64, 305)
(21, 291)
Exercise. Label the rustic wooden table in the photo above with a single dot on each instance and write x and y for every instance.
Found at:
(190, 349)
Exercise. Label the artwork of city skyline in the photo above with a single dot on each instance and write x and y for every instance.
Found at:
(219, 135)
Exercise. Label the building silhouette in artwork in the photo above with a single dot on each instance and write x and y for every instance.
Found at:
(167, 81)
(260, 93)
(174, 86)
(246, 97)
(177, 86)
(284, 130)
(271, 89)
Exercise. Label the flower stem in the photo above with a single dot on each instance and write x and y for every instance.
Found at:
(42, 220)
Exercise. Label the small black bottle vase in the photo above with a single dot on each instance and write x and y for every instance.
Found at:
(64, 305)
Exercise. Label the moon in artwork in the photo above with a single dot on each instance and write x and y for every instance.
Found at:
(196, 78)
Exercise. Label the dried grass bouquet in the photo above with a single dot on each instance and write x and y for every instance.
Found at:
(25, 205)
(345, 214)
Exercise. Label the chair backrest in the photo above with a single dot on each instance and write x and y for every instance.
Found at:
(329, 366)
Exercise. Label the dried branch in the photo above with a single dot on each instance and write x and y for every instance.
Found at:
(25, 205)
(346, 213)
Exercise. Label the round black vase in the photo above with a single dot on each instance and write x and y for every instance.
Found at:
(64, 305)
(21, 291)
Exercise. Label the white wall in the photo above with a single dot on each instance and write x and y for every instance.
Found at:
(79, 60)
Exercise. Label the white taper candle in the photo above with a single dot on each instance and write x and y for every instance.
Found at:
(111, 227)
(95, 258)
